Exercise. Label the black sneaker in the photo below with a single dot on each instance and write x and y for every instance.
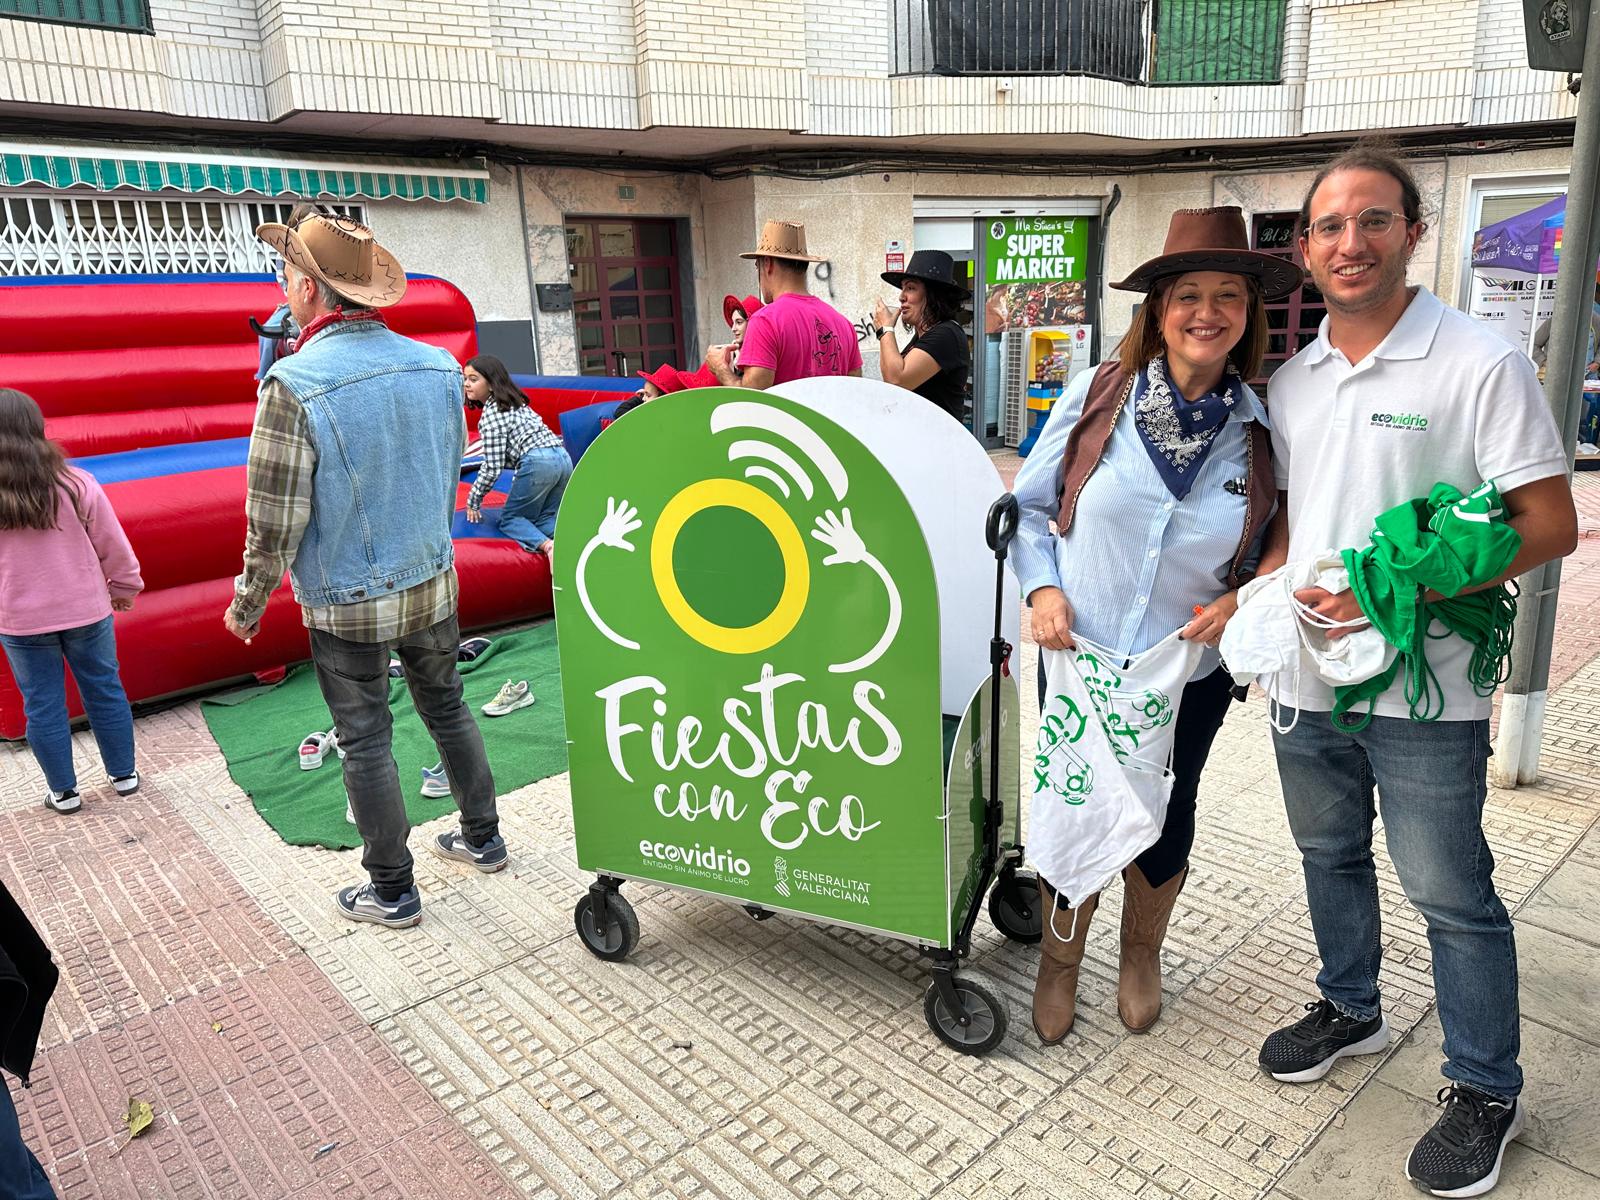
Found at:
(364, 904)
(1460, 1155)
(488, 858)
(1307, 1050)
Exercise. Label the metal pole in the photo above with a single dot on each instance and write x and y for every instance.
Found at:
(1523, 708)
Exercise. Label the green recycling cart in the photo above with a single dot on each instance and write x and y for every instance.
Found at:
(785, 628)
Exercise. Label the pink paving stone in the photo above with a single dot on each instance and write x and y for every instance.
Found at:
(243, 1111)
(135, 907)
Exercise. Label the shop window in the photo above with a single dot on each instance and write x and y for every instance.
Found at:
(129, 15)
(1292, 322)
(1217, 41)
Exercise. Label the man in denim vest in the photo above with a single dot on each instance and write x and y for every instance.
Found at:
(354, 462)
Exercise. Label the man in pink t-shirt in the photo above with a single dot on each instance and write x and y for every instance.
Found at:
(796, 335)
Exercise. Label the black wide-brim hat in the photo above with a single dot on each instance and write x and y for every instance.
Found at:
(933, 267)
(1214, 239)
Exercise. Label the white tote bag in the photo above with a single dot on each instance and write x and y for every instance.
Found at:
(1100, 769)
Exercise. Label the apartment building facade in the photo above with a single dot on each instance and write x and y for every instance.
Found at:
(588, 173)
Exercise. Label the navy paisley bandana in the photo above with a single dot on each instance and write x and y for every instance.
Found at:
(1178, 434)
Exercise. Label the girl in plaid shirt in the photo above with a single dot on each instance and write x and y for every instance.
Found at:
(515, 438)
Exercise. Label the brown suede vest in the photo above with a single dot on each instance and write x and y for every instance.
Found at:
(1086, 446)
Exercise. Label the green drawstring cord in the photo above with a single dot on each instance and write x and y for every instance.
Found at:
(1486, 619)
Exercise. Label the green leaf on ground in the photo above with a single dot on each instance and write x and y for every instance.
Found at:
(138, 1116)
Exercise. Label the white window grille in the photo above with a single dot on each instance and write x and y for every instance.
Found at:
(97, 234)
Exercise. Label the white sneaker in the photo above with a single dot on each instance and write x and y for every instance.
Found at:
(435, 783)
(126, 785)
(514, 695)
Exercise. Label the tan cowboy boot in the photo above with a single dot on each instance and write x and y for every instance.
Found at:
(1055, 992)
(1145, 911)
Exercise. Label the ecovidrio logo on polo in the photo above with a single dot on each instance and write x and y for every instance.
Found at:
(1415, 422)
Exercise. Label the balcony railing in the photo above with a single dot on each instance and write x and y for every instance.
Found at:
(130, 15)
(1162, 42)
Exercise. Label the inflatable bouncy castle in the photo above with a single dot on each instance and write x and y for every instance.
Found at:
(148, 383)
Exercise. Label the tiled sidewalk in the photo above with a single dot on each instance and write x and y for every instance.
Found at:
(485, 1053)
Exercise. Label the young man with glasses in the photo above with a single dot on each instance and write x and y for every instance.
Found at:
(1397, 393)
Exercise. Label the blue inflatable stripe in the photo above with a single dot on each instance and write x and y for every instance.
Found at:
(581, 383)
(179, 459)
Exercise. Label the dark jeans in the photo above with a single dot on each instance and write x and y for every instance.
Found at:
(1200, 714)
(91, 652)
(1431, 780)
(354, 677)
(21, 1176)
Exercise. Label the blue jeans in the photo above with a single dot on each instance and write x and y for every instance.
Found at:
(1431, 779)
(529, 516)
(91, 652)
(21, 1176)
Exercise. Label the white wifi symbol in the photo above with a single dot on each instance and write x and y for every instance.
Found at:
(772, 463)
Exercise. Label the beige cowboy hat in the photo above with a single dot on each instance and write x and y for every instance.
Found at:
(783, 239)
(343, 254)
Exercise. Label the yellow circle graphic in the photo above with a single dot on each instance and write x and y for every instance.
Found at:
(731, 493)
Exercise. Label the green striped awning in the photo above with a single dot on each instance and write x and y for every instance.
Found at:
(241, 177)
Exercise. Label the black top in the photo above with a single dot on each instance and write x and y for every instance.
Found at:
(27, 977)
(946, 344)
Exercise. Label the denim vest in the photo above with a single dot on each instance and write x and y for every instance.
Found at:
(384, 416)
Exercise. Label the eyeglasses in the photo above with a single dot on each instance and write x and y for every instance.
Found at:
(1371, 223)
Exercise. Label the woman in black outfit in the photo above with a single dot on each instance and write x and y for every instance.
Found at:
(934, 363)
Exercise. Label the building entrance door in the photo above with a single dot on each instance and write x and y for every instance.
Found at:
(625, 297)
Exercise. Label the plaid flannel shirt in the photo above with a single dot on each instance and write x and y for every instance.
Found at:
(278, 508)
(507, 435)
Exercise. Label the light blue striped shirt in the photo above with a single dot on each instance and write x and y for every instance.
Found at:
(1136, 560)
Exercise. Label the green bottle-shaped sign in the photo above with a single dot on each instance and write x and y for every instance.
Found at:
(750, 656)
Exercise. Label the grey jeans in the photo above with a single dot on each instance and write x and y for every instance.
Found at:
(354, 677)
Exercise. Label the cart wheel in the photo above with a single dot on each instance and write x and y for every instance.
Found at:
(622, 927)
(986, 1012)
(1016, 906)
(759, 914)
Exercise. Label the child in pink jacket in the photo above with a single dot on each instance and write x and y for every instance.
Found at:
(65, 565)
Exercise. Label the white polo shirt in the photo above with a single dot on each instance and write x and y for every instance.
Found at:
(1439, 400)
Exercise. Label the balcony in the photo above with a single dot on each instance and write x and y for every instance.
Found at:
(131, 16)
(1153, 42)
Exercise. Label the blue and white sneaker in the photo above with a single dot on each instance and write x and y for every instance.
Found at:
(362, 903)
(435, 784)
(488, 858)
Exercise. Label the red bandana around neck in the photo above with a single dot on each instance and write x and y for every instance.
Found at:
(336, 317)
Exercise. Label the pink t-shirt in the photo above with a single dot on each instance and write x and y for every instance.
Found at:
(797, 336)
(64, 578)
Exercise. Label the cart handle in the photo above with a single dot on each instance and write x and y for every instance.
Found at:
(1002, 524)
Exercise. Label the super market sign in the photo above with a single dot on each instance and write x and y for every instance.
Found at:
(1036, 249)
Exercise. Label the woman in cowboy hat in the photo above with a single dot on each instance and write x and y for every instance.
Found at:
(934, 363)
(1155, 469)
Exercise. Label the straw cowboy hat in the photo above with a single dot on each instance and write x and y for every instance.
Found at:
(1214, 239)
(782, 239)
(933, 267)
(341, 253)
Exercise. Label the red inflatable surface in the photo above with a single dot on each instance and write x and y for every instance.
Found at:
(117, 365)
(129, 364)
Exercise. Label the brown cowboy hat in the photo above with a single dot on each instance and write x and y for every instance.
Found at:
(343, 254)
(1214, 239)
(782, 239)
